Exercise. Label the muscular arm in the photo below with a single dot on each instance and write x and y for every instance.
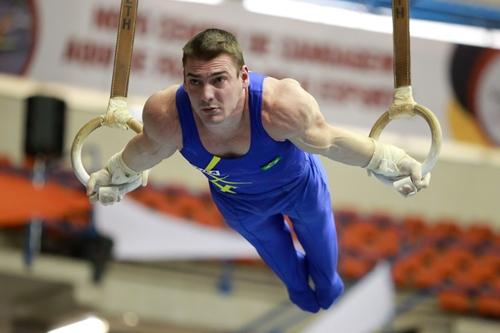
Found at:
(160, 138)
(161, 135)
(292, 113)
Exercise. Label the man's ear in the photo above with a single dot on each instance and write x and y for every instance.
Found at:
(245, 77)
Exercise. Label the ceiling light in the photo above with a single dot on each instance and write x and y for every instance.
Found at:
(206, 2)
(90, 324)
(348, 18)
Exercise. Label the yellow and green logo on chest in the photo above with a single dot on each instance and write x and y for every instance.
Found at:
(214, 176)
(271, 163)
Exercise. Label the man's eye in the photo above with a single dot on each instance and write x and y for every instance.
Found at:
(194, 82)
(219, 79)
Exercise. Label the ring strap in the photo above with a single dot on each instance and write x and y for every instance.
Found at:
(401, 40)
(124, 46)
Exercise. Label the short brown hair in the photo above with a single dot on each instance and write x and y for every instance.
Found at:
(211, 43)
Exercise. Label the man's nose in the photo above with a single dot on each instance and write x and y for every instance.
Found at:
(207, 92)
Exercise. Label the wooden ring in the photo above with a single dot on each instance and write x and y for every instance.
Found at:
(76, 148)
(433, 123)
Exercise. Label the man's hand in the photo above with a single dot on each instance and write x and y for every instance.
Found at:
(394, 166)
(110, 184)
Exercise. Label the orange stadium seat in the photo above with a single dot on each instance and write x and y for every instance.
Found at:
(494, 284)
(21, 201)
(381, 219)
(428, 277)
(354, 268)
(345, 215)
(389, 242)
(459, 257)
(403, 271)
(413, 230)
(488, 305)
(456, 301)
(426, 255)
(435, 255)
(444, 229)
(444, 266)
(477, 234)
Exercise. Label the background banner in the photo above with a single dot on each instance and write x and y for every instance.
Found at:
(348, 71)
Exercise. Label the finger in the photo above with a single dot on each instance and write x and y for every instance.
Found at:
(94, 197)
(91, 185)
(424, 182)
(108, 195)
(97, 179)
(145, 175)
(405, 186)
(415, 171)
(408, 190)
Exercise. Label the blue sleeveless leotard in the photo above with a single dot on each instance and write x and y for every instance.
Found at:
(255, 190)
(260, 170)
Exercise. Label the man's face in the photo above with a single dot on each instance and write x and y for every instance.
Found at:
(215, 87)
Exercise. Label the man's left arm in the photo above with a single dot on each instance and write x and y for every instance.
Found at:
(303, 124)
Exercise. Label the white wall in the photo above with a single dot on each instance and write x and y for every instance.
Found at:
(465, 182)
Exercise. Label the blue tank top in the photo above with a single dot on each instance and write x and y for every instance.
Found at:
(268, 165)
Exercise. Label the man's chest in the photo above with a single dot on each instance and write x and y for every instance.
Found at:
(231, 146)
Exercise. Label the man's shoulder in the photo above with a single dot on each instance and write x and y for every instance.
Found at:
(275, 90)
(162, 98)
(161, 103)
(160, 113)
(280, 115)
(287, 109)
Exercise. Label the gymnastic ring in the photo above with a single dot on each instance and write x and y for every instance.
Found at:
(76, 148)
(435, 128)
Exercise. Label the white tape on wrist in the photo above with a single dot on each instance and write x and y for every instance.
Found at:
(383, 164)
(385, 159)
(120, 172)
(376, 157)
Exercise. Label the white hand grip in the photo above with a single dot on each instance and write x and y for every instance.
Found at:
(115, 193)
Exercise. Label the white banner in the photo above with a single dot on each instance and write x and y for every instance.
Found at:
(364, 308)
(348, 71)
(140, 233)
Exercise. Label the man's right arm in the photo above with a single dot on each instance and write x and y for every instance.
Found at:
(160, 138)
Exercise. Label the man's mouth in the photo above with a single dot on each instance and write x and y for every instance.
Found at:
(209, 109)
